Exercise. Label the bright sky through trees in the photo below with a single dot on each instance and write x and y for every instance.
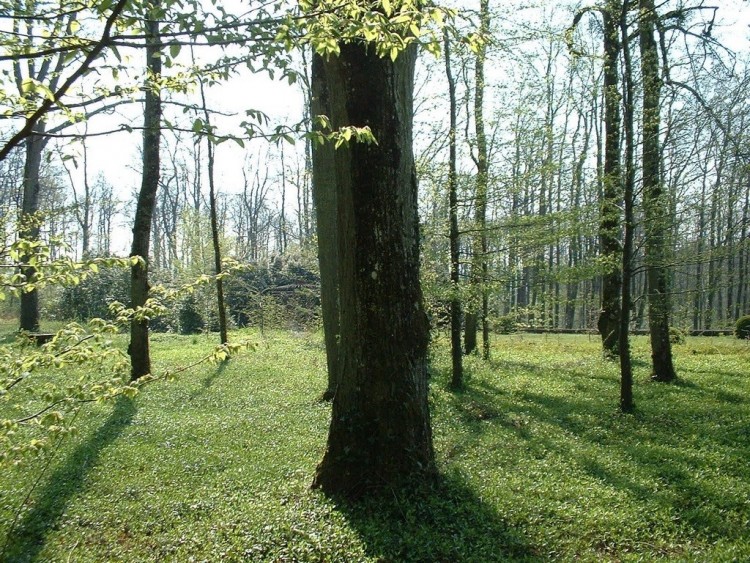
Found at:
(116, 156)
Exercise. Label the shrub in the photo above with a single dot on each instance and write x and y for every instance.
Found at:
(190, 320)
(92, 296)
(742, 328)
(280, 294)
(506, 324)
(676, 335)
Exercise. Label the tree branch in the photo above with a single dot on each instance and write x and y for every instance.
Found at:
(45, 106)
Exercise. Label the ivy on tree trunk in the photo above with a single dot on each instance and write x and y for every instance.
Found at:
(612, 194)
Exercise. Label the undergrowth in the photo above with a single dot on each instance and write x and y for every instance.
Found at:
(536, 463)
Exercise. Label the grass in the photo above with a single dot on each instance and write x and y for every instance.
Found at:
(536, 464)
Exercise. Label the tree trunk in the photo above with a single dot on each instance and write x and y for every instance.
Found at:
(29, 317)
(457, 372)
(609, 218)
(325, 200)
(479, 265)
(222, 312)
(626, 367)
(654, 201)
(380, 432)
(140, 356)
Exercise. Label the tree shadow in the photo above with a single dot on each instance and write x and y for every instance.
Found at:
(445, 521)
(209, 380)
(26, 539)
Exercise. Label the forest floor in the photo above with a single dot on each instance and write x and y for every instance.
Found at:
(536, 463)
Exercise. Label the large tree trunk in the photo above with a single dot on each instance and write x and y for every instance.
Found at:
(380, 432)
(326, 211)
(654, 201)
(29, 317)
(609, 219)
(140, 355)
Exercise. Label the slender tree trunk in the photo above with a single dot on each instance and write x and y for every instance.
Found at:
(456, 313)
(700, 249)
(626, 368)
(140, 355)
(655, 202)
(282, 207)
(29, 317)
(611, 202)
(222, 312)
(380, 432)
(743, 256)
(479, 265)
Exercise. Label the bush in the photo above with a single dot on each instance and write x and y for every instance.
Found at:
(742, 328)
(91, 298)
(506, 324)
(280, 293)
(676, 335)
(190, 320)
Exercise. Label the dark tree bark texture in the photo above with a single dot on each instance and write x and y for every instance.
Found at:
(457, 368)
(611, 202)
(326, 212)
(29, 317)
(140, 354)
(380, 434)
(655, 206)
(479, 260)
(626, 365)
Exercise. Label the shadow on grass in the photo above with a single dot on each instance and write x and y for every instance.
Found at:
(208, 381)
(26, 540)
(443, 522)
(661, 452)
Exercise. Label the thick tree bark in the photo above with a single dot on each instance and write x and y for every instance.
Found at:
(380, 432)
(654, 201)
(29, 316)
(326, 217)
(457, 370)
(140, 355)
(611, 202)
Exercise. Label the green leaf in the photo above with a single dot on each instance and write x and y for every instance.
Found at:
(28, 86)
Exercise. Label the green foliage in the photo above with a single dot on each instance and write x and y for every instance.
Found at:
(536, 464)
(91, 298)
(505, 324)
(677, 335)
(280, 293)
(390, 26)
(42, 389)
(742, 327)
(190, 319)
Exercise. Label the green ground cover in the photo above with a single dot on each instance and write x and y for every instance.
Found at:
(536, 464)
